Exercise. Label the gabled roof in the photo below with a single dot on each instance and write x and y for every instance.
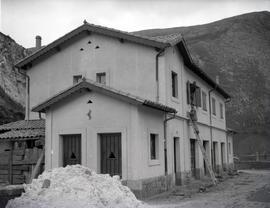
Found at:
(86, 27)
(94, 86)
(159, 42)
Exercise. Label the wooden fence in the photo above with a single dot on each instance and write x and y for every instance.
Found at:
(16, 165)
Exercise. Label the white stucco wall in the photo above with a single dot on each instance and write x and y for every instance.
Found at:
(109, 115)
(128, 66)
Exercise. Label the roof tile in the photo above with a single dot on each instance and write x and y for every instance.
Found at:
(24, 124)
(23, 134)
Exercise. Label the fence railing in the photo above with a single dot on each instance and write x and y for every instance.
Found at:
(254, 157)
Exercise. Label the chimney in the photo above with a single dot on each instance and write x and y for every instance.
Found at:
(217, 79)
(38, 42)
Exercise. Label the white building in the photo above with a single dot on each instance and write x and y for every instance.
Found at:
(117, 103)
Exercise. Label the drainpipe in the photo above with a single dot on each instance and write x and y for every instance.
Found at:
(157, 71)
(211, 130)
(27, 106)
(227, 143)
(165, 141)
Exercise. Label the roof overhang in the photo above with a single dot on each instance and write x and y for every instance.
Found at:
(97, 87)
(89, 28)
(157, 42)
(197, 70)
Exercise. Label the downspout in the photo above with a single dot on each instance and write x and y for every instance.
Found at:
(227, 143)
(165, 140)
(27, 106)
(157, 72)
(211, 129)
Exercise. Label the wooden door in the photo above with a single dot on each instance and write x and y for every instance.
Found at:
(111, 156)
(71, 149)
(177, 171)
(193, 157)
(206, 148)
(215, 156)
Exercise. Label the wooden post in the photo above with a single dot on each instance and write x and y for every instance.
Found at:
(10, 161)
(36, 169)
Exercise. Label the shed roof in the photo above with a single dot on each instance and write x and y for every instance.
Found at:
(23, 130)
(104, 89)
(24, 124)
(23, 134)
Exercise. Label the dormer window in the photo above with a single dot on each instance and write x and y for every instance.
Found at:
(77, 79)
(101, 78)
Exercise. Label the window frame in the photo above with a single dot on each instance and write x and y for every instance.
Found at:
(99, 76)
(174, 84)
(77, 78)
(221, 106)
(156, 160)
(213, 105)
(204, 104)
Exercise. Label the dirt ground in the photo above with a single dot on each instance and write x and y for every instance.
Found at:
(249, 189)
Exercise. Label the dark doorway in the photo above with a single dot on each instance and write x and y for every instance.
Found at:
(71, 149)
(215, 153)
(193, 157)
(206, 148)
(222, 148)
(110, 154)
(176, 147)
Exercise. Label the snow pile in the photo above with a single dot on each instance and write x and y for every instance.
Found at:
(75, 186)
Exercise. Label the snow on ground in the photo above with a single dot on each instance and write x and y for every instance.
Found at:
(75, 186)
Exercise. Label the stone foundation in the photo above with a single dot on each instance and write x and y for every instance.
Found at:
(151, 186)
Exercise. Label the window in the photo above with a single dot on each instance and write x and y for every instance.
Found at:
(213, 106)
(193, 94)
(101, 78)
(174, 85)
(77, 79)
(204, 102)
(221, 110)
(153, 146)
(229, 147)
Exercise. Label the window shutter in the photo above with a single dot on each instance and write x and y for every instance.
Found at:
(188, 92)
(198, 97)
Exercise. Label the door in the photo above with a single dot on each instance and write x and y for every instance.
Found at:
(193, 157)
(206, 148)
(176, 145)
(111, 155)
(71, 149)
(223, 155)
(215, 156)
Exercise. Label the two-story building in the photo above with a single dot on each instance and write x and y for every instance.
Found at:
(117, 103)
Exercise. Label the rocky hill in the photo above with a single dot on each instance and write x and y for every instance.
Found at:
(238, 50)
(12, 83)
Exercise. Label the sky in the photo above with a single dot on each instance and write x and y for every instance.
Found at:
(24, 19)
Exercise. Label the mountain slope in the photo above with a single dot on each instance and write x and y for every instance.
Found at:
(238, 50)
(12, 83)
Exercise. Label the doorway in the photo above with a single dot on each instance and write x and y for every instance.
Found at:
(71, 149)
(110, 154)
(177, 170)
(206, 148)
(193, 157)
